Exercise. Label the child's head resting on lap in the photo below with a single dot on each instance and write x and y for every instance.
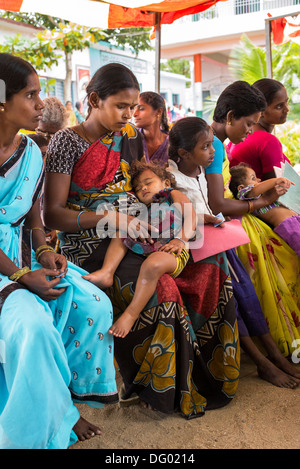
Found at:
(148, 179)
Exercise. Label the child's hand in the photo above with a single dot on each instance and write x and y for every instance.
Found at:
(212, 219)
(284, 182)
(175, 245)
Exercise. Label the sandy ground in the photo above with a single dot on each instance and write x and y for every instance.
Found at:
(261, 416)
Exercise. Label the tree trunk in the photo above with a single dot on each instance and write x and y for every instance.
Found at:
(68, 79)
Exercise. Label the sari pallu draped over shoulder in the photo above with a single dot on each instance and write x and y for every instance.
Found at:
(183, 351)
(51, 353)
(21, 184)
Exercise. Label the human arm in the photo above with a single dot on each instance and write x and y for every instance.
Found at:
(58, 216)
(189, 224)
(35, 281)
(232, 207)
(265, 186)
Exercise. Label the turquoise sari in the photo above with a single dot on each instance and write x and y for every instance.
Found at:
(51, 353)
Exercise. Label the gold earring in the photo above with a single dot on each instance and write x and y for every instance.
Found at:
(228, 123)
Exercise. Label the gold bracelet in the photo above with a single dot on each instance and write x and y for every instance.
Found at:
(17, 275)
(250, 206)
(42, 248)
(42, 252)
(38, 228)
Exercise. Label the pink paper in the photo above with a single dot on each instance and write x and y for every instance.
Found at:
(218, 239)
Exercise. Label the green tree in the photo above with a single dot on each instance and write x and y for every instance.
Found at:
(61, 38)
(248, 62)
(181, 66)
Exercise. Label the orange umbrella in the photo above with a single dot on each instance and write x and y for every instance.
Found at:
(115, 14)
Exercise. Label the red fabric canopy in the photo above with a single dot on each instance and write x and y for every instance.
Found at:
(110, 15)
(170, 10)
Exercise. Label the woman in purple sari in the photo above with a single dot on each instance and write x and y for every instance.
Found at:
(150, 116)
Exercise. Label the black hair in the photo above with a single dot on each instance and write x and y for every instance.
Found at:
(185, 134)
(138, 167)
(14, 71)
(110, 79)
(156, 101)
(39, 139)
(268, 87)
(240, 98)
(238, 175)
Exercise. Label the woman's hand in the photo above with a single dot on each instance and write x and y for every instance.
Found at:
(36, 281)
(134, 227)
(54, 261)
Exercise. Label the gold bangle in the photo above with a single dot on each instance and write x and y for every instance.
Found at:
(250, 206)
(42, 252)
(38, 228)
(42, 248)
(17, 275)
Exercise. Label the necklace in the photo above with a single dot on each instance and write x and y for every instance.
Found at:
(264, 128)
(84, 133)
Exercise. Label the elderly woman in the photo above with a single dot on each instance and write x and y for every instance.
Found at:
(54, 118)
(262, 150)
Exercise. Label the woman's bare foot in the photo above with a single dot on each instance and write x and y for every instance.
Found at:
(100, 278)
(123, 325)
(85, 430)
(275, 376)
(283, 363)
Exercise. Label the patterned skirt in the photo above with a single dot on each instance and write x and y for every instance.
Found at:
(183, 352)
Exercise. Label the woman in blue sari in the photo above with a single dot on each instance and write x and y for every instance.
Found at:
(54, 343)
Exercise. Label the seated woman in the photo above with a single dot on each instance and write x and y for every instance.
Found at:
(154, 186)
(150, 116)
(167, 362)
(262, 150)
(50, 318)
(272, 265)
(191, 151)
(54, 118)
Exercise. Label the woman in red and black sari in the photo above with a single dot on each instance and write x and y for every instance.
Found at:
(183, 351)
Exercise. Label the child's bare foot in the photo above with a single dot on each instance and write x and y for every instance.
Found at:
(85, 430)
(100, 278)
(123, 325)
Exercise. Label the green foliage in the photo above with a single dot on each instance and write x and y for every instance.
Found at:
(40, 54)
(289, 136)
(248, 62)
(138, 39)
(181, 66)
